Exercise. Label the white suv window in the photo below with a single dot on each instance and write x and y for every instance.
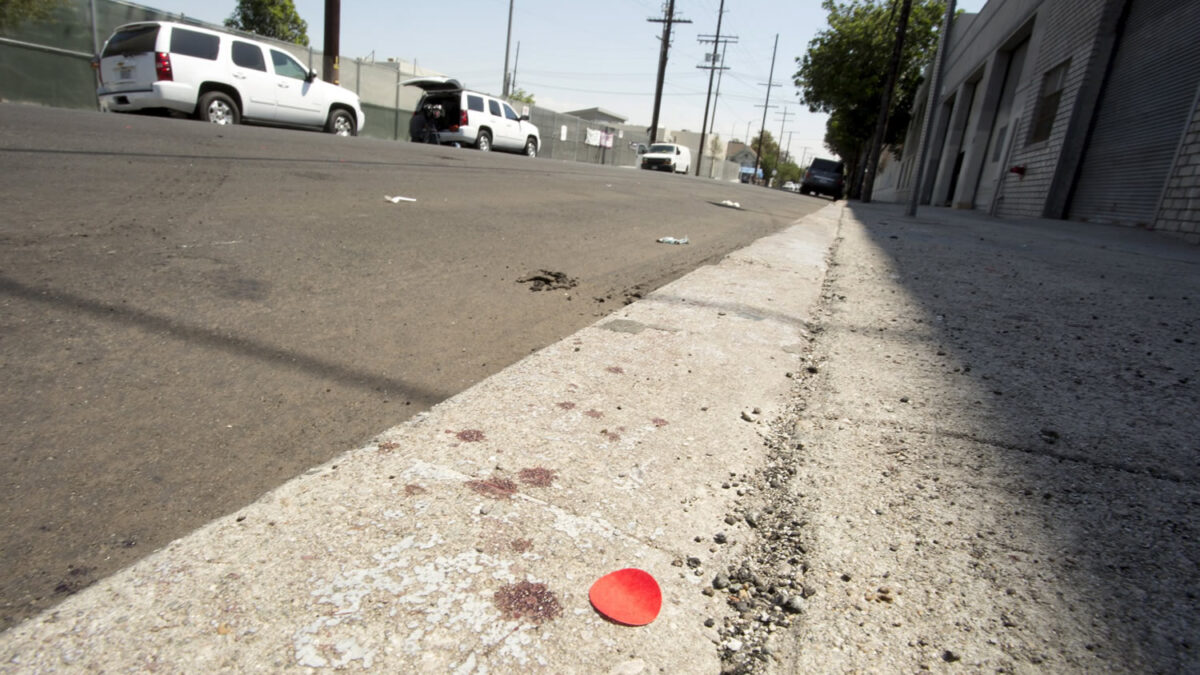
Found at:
(287, 66)
(192, 43)
(494, 107)
(508, 112)
(133, 40)
(246, 55)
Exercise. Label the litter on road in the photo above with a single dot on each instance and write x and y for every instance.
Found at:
(397, 200)
(672, 240)
(732, 205)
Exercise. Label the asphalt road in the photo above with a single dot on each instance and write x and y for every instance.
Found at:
(190, 315)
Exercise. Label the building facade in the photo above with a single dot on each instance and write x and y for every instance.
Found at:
(1085, 110)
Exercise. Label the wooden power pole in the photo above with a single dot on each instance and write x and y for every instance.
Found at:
(667, 21)
(333, 30)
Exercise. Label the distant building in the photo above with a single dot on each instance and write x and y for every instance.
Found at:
(742, 157)
(1084, 110)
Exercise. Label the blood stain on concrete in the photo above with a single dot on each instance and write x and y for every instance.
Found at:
(527, 600)
(538, 476)
(494, 487)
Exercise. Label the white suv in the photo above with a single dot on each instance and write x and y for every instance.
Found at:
(465, 117)
(218, 77)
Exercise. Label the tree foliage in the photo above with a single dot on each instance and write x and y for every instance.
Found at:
(769, 159)
(521, 96)
(270, 18)
(16, 12)
(845, 70)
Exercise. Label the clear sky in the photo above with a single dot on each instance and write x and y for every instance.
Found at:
(580, 55)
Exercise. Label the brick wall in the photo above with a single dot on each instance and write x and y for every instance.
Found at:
(1069, 33)
(1180, 210)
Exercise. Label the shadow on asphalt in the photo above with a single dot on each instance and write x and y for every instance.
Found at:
(238, 346)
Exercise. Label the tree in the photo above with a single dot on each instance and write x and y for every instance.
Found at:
(714, 145)
(846, 66)
(16, 12)
(270, 18)
(769, 160)
(520, 96)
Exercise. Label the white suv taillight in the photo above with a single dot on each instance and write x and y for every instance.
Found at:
(162, 66)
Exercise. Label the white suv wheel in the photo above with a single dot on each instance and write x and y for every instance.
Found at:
(218, 108)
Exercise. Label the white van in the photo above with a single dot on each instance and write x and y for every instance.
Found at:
(447, 114)
(218, 77)
(667, 157)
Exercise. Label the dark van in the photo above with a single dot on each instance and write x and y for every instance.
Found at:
(824, 177)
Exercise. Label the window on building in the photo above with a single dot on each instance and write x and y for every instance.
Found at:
(1047, 106)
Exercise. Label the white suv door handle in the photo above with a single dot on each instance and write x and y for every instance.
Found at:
(239, 76)
(283, 85)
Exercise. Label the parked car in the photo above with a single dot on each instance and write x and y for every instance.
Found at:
(218, 77)
(667, 157)
(824, 177)
(464, 117)
(791, 187)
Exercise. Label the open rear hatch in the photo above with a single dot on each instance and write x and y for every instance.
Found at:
(434, 84)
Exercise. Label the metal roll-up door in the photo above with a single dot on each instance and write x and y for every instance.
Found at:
(1142, 114)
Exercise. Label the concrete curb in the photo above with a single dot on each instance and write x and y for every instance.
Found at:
(466, 539)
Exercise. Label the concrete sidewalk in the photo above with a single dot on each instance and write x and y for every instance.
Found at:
(866, 444)
(466, 539)
(1000, 467)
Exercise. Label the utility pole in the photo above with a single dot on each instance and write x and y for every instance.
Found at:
(766, 104)
(516, 61)
(507, 50)
(931, 108)
(712, 123)
(779, 156)
(333, 25)
(712, 67)
(885, 104)
(667, 21)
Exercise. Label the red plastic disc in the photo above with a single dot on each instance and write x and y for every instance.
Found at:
(629, 596)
